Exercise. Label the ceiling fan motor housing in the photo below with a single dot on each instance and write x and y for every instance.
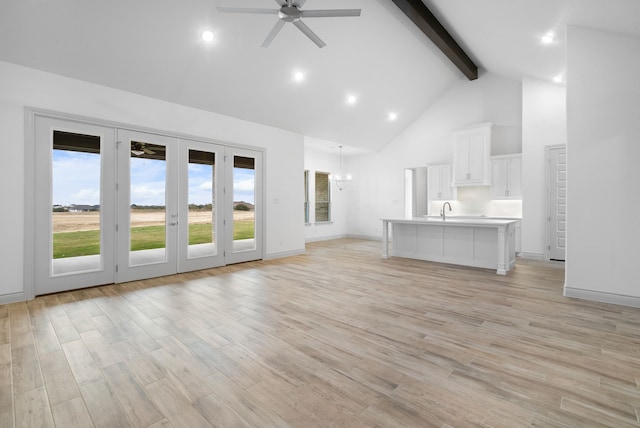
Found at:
(289, 13)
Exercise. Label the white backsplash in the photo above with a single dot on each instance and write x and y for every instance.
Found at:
(476, 201)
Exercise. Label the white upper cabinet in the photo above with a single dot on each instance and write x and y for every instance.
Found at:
(471, 151)
(506, 177)
(439, 182)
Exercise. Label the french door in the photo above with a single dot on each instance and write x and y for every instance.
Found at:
(243, 199)
(116, 205)
(147, 200)
(202, 211)
(74, 205)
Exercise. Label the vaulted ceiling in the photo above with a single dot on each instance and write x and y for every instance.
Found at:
(153, 48)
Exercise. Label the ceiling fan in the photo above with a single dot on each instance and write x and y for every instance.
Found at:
(291, 11)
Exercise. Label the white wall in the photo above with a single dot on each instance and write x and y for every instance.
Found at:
(324, 161)
(603, 156)
(378, 188)
(20, 87)
(544, 121)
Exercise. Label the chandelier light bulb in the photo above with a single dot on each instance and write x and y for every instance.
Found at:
(207, 36)
(547, 39)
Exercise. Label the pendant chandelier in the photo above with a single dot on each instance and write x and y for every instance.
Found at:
(341, 181)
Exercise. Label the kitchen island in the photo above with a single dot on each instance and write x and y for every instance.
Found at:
(477, 242)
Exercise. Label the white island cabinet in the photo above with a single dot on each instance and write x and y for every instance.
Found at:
(485, 243)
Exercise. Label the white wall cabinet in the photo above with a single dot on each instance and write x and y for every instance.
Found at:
(471, 151)
(506, 177)
(439, 182)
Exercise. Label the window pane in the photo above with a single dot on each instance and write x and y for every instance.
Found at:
(244, 192)
(323, 197)
(202, 210)
(147, 212)
(76, 217)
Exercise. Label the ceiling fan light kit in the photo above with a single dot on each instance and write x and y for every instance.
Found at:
(291, 11)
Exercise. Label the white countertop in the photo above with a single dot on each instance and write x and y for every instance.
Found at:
(454, 221)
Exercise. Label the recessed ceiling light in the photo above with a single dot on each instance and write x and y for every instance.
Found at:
(392, 116)
(558, 78)
(547, 39)
(207, 36)
(298, 76)
(351, 99)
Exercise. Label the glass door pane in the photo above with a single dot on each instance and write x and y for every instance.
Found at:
(244, 195)
(243, 205)
(201, 236)
(148, 203)
(74, 201)
(76, 192)
(201, 204)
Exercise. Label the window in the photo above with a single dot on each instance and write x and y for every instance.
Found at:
(306, 196)
(323, 197)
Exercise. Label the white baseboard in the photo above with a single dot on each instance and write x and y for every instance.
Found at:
(598, 296)
(332, 237)
(324, 238)
(532, 256)
(12, 298)
(366, 237)
(283, 254)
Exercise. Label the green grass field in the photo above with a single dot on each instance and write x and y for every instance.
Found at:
(86, 243)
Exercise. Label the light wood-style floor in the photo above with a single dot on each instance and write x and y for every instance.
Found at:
(334, 338)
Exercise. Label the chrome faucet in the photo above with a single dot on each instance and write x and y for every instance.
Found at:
(442, 213)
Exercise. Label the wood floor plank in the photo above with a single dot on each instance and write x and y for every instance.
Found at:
(32, 409)
(6, 386)
(103, 407)
(218, 413)
(65, 329)
(5, 326)
(334, 337)
(58, 378)
(131, 396)
(82, 365)
(188, 382)
(26, 372)
(243, 403)
(72, 414)
(175, 406)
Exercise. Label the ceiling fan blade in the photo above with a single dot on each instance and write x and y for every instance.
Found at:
(247, 10)
(329, 13)
(299, 3)
(273, 33)
(281, 2)
(310, 34)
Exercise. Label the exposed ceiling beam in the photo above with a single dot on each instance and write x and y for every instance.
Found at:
(420, 14)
